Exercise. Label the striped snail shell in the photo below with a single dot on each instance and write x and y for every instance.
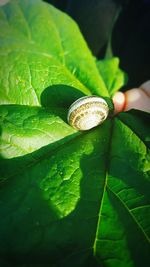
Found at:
(87, 112)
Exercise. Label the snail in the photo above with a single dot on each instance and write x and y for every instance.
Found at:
(87, 112)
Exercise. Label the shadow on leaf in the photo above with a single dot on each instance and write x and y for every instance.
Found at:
(50, 206)
(36, 227)
(60, 95)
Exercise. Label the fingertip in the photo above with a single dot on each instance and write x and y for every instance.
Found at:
(119, 102)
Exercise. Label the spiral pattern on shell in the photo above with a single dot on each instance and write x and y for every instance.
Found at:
(87, 112)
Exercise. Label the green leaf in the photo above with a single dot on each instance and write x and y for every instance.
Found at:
(40, 47)
(113, 76)
(26, 129)
(123, 228)
(67, 198)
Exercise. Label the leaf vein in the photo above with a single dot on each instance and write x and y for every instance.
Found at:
(130, 213)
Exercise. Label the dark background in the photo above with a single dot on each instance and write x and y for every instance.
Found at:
(127, 22)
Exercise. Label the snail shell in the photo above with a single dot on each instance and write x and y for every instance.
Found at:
(87, 112)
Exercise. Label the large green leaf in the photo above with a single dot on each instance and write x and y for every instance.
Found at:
(42, 47)
(67, 198)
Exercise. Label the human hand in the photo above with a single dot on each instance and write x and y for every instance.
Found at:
(136, 98)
